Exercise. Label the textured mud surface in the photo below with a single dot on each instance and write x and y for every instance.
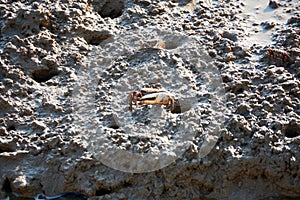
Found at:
(46, 48)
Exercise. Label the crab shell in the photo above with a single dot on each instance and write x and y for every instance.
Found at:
(151, 96)
(158, 98)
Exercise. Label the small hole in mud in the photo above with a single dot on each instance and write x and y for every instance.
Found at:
(126, 184)
(112, 9)
(177, 109)
(43, 75)
(114, 126)
(239, 91)
(6, 186)
(292, 130)
(11, 128)
(96, 40)
(210, 190)
(97, 37)
(295, 176)
(102, 192)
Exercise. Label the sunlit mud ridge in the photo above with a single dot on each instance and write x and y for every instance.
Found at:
(67, 69)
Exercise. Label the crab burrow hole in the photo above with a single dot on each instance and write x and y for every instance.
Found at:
(292, 130)
(109, 8)
(43, 75)
(47, 71)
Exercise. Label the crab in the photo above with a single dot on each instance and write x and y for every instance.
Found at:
(276, 55)
(151, 96)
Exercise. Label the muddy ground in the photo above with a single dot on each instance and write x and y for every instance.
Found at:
(67, 68)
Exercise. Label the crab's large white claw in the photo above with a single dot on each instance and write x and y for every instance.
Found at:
(161, 98)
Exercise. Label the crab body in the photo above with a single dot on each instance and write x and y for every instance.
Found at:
(151, 96)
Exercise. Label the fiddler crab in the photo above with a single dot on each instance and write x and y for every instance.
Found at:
(151, 96)
(279, 55)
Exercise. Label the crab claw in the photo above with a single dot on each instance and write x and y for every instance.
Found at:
(160, 98)
(133, 98)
